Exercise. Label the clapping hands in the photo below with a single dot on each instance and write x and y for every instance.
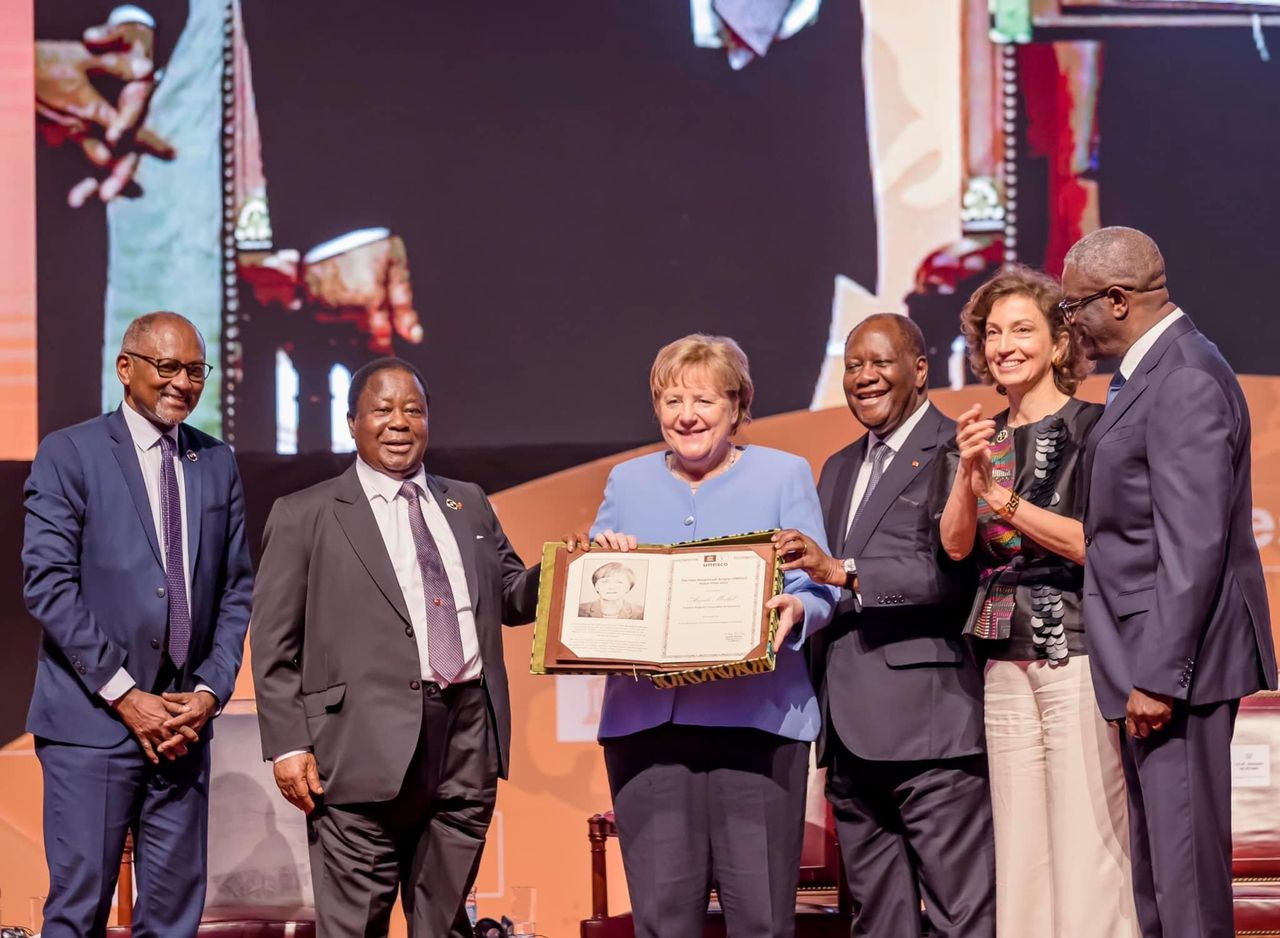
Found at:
(973, 440)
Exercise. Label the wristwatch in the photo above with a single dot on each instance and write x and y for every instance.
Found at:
(850, 572)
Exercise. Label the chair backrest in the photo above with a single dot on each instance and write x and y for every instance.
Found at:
(257, 840)
(820, 855)
(1255, 788)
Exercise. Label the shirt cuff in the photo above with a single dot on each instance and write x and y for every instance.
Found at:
(119, 685)
(344, 243)
(129, 13)
(217, 709)
(288, 755)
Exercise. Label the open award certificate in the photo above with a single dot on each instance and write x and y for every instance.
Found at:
(679, 614)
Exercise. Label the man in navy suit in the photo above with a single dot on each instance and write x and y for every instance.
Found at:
(136, 567)
(1175, 604)
(901, 697)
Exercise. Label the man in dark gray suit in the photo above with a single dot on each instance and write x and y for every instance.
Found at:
(901, 697)
(377, 661)
(1175, 604)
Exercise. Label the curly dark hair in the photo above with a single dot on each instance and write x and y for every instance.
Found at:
(1069, 369)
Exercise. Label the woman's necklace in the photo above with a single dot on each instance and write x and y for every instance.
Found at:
(719, 470)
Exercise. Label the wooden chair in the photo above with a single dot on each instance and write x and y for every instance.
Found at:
(217, 921)
(246, 817)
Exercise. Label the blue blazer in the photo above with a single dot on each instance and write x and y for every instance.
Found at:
(94, 578)
(765, 489)
(1174, 596)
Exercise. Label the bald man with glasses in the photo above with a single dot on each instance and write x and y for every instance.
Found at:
(137, 570)
(1175, 604)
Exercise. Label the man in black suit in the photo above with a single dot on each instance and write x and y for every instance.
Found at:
(377, 661)
(902, 736)
(1175, 603)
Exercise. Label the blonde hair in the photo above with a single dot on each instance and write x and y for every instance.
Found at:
(724, 361)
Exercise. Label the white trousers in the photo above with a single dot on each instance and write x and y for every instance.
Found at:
(1059, 806)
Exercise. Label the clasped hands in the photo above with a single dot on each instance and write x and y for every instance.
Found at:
(790, 608)
(165, 724)
(72, 110)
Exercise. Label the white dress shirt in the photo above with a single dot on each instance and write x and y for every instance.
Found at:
(391, 511)
(1139, 349)
(894, 441)
(146, 442)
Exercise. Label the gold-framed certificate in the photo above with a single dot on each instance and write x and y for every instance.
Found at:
(676, 613)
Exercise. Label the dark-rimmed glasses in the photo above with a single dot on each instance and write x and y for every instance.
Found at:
(197, 372)
(1071, 307)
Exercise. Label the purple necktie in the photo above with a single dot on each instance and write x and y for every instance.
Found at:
(171, 516)
(444, 637)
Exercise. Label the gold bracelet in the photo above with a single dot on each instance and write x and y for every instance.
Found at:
(1006, 511)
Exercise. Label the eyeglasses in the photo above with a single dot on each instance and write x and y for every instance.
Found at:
(1071, 307)
(169, 367)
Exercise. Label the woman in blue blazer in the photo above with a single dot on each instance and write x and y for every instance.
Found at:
(708, 781)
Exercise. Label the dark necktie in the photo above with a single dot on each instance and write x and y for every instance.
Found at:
(444, 637)
(174, 573)
(1117, 382)
(879, 456)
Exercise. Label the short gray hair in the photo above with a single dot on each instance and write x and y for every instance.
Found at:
(137, 331)
(1118, 256)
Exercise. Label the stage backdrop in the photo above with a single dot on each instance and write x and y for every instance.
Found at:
(539, 837)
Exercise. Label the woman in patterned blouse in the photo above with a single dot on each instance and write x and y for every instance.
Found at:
(1057, 787)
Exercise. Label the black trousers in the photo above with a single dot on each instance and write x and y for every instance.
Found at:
(915, 830)
(425, 842)
(1179, 782)
(699, 807)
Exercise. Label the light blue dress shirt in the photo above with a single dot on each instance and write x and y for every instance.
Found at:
(765, 488)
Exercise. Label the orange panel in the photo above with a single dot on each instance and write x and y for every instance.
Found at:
(17, 233)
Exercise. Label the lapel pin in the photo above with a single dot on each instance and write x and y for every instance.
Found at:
(915, 464)
(191, 455)
(450, 503)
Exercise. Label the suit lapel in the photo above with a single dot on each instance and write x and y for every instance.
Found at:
(361, 528)
(908, 462)
(193, 485)
(837, 508)
(1139, 381)
(462, 532)
(126, 455)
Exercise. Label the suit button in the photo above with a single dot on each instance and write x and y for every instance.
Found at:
(155, 643)
(409, 631)
(160, 591)
(415, 685)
